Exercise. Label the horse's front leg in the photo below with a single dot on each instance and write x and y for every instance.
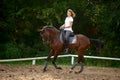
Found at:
(46, 63)
(48, 58)
(54, 60)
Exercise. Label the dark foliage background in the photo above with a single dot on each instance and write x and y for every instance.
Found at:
(20, 19)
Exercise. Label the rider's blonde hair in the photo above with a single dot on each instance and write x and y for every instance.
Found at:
(72, 12)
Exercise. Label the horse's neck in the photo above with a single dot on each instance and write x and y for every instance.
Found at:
(54, 35)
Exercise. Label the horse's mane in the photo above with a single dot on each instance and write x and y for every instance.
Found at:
(48, 27)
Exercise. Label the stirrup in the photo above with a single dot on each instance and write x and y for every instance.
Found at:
(66, 50)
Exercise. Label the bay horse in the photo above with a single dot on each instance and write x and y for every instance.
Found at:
(51, 36)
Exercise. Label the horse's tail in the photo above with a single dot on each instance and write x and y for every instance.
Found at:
(99, 44)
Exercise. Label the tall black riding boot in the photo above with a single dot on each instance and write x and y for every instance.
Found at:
(67, 34)
(66, 47)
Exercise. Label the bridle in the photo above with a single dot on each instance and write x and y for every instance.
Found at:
(45, 36)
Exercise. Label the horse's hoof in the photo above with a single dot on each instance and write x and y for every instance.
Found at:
(44, 70)
(59, 68)
(78, 72)
(70, 71)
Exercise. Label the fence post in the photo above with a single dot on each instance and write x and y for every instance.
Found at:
(72, 60)
(33, 62)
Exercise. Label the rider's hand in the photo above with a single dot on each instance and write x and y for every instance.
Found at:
(61, 27)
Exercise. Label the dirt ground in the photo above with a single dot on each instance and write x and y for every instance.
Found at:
(29, 72)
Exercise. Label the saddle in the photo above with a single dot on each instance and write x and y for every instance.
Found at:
(72, 37)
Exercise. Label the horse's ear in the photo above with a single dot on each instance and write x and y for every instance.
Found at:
(38, 30)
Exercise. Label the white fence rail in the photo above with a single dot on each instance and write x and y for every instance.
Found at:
(69, 55)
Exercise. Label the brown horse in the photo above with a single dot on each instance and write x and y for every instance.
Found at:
(51, 36)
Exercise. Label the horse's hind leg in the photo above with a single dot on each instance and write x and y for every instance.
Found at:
(81, 61)
(81, 67)
(74, 65)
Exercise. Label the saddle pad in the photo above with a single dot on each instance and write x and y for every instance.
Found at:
(72, 40)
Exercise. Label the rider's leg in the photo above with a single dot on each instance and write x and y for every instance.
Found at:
(67, 40)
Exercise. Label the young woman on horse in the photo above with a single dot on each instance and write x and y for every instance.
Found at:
(51, 36)
(68, 27)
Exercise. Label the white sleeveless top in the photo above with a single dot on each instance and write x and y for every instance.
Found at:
(67, 23)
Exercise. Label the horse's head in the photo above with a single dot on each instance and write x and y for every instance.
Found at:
(44, 35)
(47, 33)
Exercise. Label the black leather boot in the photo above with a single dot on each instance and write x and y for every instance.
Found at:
(66, 47)
(66, 50)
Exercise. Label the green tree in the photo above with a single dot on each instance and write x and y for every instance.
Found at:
(20, 20)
